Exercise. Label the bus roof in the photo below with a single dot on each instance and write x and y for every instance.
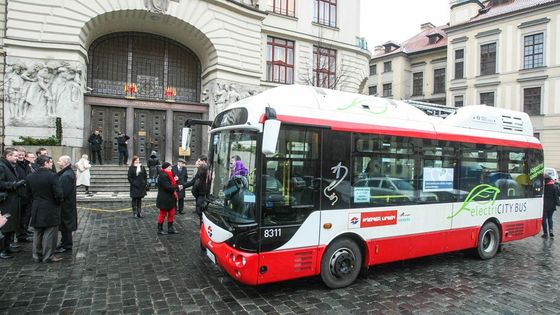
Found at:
(362, 113)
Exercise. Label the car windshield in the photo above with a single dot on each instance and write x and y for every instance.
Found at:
(402, 184)
(232, 160)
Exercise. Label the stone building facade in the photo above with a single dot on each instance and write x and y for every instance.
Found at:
(145, 66)
(501, 53)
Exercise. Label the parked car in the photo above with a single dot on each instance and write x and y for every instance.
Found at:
(394, 187)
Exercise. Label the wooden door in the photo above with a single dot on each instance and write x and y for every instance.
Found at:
(149, 133)
(109, 121)
(178, 124)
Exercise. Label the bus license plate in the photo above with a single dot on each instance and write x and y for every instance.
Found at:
(211, 255)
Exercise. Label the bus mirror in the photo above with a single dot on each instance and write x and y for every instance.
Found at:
(186, 138)
(270, 136)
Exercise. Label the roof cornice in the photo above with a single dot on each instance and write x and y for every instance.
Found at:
(491, 20)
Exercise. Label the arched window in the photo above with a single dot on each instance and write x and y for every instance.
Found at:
(144, 66)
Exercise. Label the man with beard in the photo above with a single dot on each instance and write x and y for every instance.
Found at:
(69, 223)
(45, 210)
(9, 199)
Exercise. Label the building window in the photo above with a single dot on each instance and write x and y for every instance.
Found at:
(373, 70)
(533, 53)
(373, 90)
(143, 66)
(488, 59)
(459, 101)
(280, 60)
(387, 90)
(387, 66)
(439, 81)
(417, 83)
(324, 67)
(487, 98)
(324, 12)
(532, 101)
(284, 7)
(459, 63)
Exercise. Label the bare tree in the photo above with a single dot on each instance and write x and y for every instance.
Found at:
(324, 69)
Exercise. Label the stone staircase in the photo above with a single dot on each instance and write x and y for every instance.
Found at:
(109, 183)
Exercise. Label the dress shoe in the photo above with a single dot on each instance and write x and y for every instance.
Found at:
(24, 240)
(53, 259)
(37, 260)
(61, 250)
(5, 255)
(14, 246)
(13, 250)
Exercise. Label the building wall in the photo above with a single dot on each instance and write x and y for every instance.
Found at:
(228, 38)
(510, 80)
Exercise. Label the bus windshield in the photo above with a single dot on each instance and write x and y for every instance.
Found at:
(232, 160)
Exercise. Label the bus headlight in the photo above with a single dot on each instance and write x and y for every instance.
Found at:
(238, 260)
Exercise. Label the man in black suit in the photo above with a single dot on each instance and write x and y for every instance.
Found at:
(43, 185)
(69, 222)
(181, 177)
(9, 199)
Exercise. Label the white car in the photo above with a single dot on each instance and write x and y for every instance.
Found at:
(399, 186)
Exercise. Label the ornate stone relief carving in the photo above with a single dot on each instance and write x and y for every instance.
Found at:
(38, 91)
(223, 93)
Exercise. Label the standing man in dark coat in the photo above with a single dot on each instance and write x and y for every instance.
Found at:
(95, 142)
(25, 204)
(181, 177)
(44, 152)
(122, 142)
(9, 199)
(45, 210)
(69, 211)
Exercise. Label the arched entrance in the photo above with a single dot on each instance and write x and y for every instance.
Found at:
(147, 86)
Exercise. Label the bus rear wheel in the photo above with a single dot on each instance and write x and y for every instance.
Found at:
(488, 241)
(341, 263)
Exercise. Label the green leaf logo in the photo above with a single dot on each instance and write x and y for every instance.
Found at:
(358, 102)
(482, 194)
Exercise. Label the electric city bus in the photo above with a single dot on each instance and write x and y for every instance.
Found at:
(334, 182)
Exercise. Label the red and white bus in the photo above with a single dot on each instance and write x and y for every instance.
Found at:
(336, 182)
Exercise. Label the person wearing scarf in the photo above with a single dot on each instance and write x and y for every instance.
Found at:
(137, 177)
(167, 198)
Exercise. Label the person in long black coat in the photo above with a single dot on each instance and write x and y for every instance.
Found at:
(550, 200)
(9, 199)
(138, 178)
(95, 141)
(69, 211)
(181, 176)
(45, 188)
(166, 199)
(25, 199)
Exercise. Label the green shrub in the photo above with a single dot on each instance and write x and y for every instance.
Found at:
(52, 140)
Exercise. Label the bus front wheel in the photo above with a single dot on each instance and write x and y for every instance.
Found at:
(341, 263)
(488, 241)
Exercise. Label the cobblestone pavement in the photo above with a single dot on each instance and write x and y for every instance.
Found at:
(119, 265)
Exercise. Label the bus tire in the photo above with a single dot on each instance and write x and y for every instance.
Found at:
(341, 263)
(488, 241)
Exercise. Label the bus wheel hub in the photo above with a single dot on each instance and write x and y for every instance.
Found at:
(342, 262)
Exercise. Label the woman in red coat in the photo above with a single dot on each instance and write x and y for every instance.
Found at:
(167, 198)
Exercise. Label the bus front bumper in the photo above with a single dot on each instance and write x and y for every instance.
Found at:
(241, 266)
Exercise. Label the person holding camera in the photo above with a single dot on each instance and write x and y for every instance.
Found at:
(9, 199)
